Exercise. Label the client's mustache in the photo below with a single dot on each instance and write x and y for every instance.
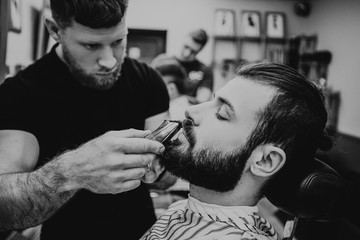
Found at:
(188, 126)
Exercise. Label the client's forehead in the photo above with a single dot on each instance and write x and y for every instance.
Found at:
(246, 94)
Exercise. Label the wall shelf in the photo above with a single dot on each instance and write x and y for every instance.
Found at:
(249, 48)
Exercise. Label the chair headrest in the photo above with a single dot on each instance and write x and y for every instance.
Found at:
(316, 193)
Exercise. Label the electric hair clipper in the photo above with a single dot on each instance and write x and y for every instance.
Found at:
(163, 134)
(165, 131)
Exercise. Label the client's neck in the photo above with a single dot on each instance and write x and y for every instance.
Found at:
(237, 197)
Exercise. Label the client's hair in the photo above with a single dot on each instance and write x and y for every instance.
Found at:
(295, 118)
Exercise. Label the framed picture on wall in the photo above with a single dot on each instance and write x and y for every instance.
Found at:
(250, 24)
(275, 25)
(224, 22)
(15, 16)
(275, 52)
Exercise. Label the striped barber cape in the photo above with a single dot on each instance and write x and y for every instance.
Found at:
(195, 220)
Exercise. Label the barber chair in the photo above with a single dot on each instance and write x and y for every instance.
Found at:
(315, 195)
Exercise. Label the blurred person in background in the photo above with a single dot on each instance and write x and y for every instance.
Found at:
(174, 76)
(199, 82)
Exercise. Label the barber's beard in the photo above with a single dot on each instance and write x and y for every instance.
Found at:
(91, 80)
(212, 169)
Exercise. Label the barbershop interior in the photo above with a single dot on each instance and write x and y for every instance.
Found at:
(316, 37)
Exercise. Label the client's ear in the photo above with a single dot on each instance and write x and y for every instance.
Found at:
(266, 160)
(53, 28)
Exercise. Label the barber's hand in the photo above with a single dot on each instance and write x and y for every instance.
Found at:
(153, 171)
(112, 163)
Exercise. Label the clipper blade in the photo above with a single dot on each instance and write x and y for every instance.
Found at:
(165, 131)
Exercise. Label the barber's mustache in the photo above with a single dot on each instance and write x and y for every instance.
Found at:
(188, 130)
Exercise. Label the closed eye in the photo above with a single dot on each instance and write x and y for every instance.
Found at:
(221, 118)
(222, 114)
(225, 109)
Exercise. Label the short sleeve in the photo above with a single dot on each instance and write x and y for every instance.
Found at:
(17, 110)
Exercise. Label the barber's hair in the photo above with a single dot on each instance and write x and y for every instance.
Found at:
(91, 13)
(199, 36)
(175, 70)
(295, 118)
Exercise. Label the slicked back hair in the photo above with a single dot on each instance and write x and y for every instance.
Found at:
(295, 119)
(95, 14)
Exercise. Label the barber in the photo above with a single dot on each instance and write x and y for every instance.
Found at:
(67, 160)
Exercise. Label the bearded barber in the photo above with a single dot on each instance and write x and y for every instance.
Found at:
(66, 159)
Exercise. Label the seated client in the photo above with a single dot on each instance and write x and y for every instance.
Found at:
(267, 121)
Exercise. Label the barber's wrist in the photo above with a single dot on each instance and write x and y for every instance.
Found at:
(55, 174)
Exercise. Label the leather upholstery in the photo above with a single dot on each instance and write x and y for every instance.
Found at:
(316, 194)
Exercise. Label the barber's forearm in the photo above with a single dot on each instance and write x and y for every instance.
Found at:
(114, 162)
(28, 199)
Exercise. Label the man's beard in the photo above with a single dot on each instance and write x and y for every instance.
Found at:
(91, 80)
(212, 169)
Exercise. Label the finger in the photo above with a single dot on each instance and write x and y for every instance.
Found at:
(156, 166)
(131, 174)
(135, 173)
(140, 145)
(129, 185)
(137, 160)
(131, 133)
(149, 177)
(153, 173)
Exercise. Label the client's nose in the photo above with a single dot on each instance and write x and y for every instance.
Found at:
(193, 114)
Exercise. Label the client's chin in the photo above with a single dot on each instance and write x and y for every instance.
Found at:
(172, 157)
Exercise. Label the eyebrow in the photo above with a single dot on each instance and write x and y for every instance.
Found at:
(91, 41)
(226, 102)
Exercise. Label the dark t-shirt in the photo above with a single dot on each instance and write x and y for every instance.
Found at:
(47, 101)
(198, 74)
